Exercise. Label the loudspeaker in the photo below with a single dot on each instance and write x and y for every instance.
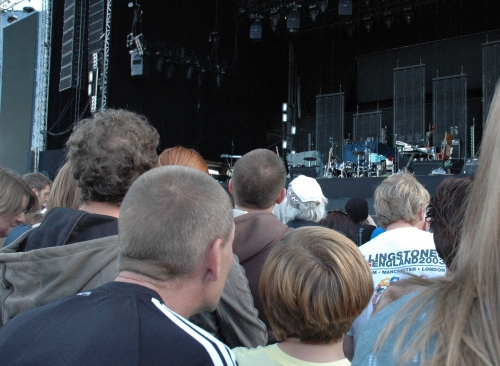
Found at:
(470, 166)
(457, 149)
(307, 171)
(424, 167)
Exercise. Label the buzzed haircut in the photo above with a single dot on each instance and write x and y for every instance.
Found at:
(258, 177)
(314, 283)
(108, 151)
(399, 197)
(168, 219)
(37, 181)
(445, 214)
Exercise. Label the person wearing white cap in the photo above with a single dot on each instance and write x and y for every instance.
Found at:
(304, 204)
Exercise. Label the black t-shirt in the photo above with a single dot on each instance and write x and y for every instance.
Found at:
(114, 324)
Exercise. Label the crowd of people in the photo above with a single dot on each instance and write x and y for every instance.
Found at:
(130, 257)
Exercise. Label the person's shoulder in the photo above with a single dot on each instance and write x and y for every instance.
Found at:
(254, 356)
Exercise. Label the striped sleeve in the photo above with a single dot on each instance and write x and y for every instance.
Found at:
(220, 354)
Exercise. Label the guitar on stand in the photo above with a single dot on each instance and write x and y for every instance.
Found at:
(446, 151)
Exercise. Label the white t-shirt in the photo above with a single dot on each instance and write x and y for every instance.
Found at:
(390, 255)
(396, 251)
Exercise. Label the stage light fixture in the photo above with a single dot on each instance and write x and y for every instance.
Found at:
(256, 29)
(388, 19)
(408, 14)
(345, 7)
(285, 118)
(189, 71)
(285, 145)
(12, 18)
(323, 5)
(170, 71)
(293, 20)
(313, 12)
(293, 130)
(28, 9)
(349, 28)
(368, 23)
(284, 107)
(273, 19)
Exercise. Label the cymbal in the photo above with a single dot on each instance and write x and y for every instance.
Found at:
(309, 158)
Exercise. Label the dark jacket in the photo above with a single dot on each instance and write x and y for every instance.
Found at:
(254, 236)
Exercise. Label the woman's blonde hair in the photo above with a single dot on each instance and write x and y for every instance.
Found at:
(462, 322)
(314, 283)
(65, 191)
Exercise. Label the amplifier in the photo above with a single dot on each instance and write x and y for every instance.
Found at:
(424, 167)
(307, 171)
(470, 166)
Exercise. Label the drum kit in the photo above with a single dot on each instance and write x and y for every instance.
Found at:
(360, 160)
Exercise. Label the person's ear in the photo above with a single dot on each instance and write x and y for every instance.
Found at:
(230, 185)
(213, 260)
(282, 196)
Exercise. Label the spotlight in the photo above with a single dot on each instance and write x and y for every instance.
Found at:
(368, 23)
(256, 29)
(349, 28)
(12, 18)
(285, 117)
(170, 71)
(313, 12)
(273, 19)
(284, 107)
(408, 14)
(293, 20)
(293, 129)
(28, 9)
(285, 144)
(323, 5)
(189, 71)
(345, 7)
(388, 19)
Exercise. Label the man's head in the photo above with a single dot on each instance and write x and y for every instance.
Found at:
(258, 180)
(400, 197)
(357, 209)
(171, 221)
(445, 214)
(314, 283)
(109, 151)
(40, 184)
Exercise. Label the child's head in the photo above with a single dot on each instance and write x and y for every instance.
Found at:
(314, 283)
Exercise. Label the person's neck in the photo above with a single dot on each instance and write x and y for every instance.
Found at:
(313, 352)
(242, 208)
(399, 225)
(177, 295)
(101, 208)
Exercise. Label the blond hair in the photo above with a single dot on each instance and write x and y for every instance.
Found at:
(314, 283)
(399, 197)
(462, 322)
(64, 192)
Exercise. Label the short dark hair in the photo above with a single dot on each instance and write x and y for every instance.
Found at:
(37, 181)
(258, 177)
(357, 209)
(168, 218)
(445, 214)
(109, 151)
(314, 283)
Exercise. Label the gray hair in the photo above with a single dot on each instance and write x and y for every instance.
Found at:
(168, 219)
(311, 211)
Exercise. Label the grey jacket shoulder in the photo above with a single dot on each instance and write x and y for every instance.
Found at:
(37, 277)
(235, 321)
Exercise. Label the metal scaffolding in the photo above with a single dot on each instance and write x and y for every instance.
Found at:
(105, 71)
(42, 87)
